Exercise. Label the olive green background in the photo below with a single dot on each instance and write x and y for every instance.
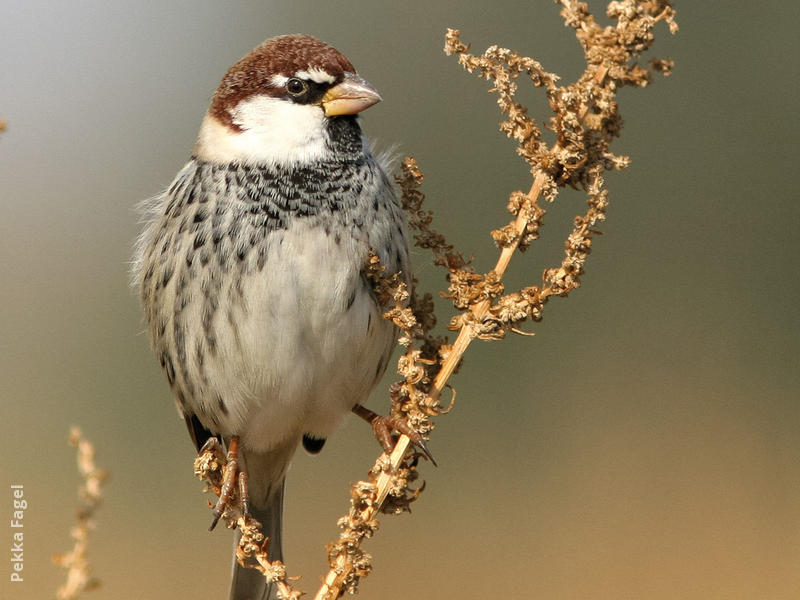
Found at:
(645, 444)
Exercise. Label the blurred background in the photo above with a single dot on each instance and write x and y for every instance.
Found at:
(645, 444)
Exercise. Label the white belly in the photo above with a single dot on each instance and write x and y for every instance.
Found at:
(297, 345)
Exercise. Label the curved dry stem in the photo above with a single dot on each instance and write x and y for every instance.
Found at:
(76, 561)
(339, 573)
(467, 333)
(585, 119)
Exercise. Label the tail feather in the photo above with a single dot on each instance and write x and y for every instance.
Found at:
(247, 583)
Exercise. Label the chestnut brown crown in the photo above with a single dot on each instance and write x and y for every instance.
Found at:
(283, 55)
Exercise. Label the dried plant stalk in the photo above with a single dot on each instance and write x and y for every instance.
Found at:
(209, 466)
(585, 120)
(79, 572)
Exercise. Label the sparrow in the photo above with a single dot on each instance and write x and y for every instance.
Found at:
(251, 264)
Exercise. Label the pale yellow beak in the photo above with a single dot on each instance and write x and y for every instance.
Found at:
(349, 97)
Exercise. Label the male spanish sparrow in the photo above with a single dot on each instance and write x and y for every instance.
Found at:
(250, 267)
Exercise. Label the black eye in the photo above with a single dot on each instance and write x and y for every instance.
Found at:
(296, 87)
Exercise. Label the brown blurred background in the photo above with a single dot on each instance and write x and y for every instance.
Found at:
(645, 444)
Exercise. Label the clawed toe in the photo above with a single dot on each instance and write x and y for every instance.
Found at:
(383, 427)
(420, 443)
(232, 477)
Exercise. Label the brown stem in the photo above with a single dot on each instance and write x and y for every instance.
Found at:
(332, 584)
(465, 334)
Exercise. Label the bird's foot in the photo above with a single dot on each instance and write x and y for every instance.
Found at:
(383, 427)
(232, 477)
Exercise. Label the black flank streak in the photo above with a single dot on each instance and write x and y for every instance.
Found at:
(179, 343)
(171, 206)
(199, 355)
(148, 275)
(217, 234)
(211, 340)
(169, 368)
(166, 275)
(181, 397)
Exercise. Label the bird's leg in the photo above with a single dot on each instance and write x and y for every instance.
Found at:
(230, 475)
(383, 426)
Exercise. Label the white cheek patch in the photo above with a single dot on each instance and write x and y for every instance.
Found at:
(273, 130)
(315, 75)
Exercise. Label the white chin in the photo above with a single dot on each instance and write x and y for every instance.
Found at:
(273, 131)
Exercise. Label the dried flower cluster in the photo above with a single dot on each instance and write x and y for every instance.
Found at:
(585, 120)
(253, 548)
(79, 575)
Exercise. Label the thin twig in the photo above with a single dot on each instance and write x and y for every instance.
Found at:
(79, 572)
(466, 333)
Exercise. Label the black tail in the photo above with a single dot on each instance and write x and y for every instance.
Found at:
(247, 583)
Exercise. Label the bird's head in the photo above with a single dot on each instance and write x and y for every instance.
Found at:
(280, 103)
